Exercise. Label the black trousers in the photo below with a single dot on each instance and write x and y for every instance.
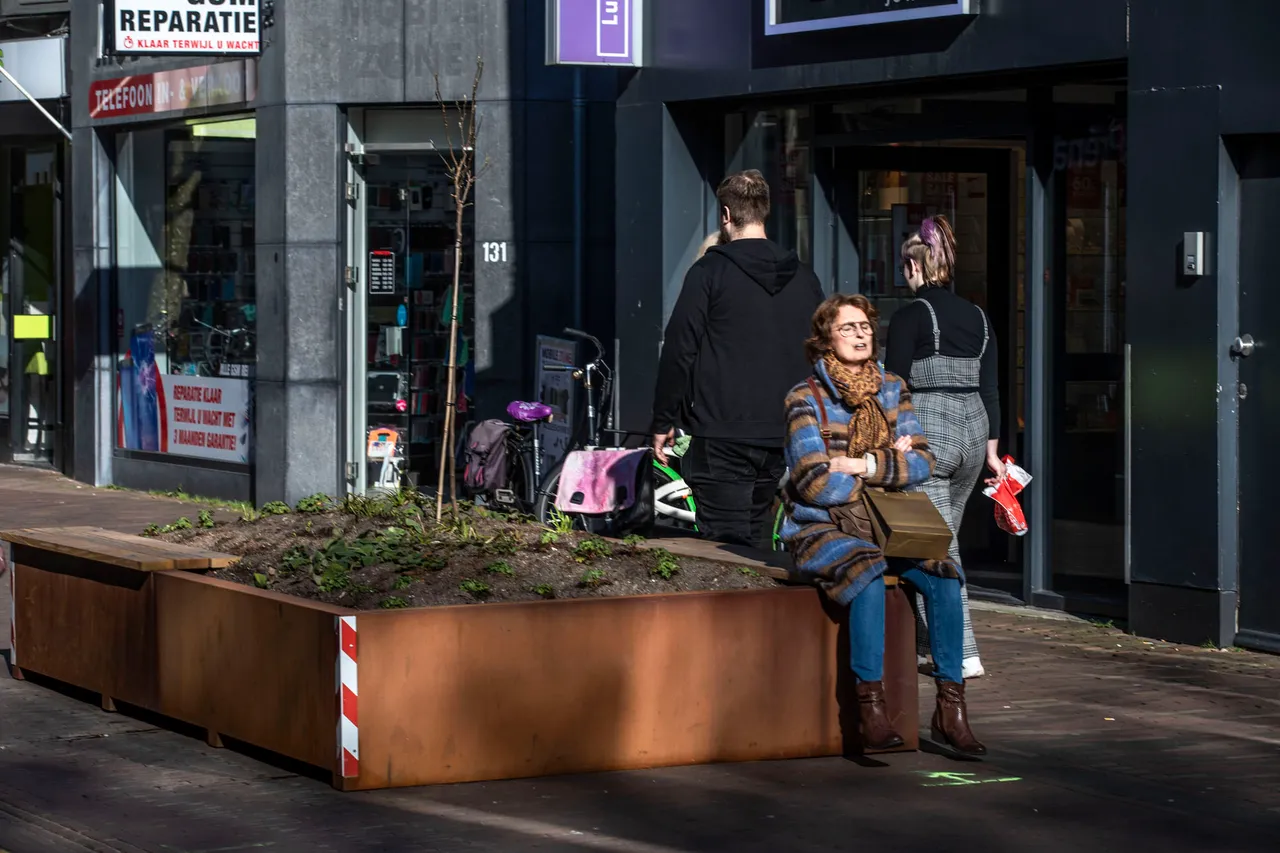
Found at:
(734, 485)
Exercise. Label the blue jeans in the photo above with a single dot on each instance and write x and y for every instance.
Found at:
(946, 627)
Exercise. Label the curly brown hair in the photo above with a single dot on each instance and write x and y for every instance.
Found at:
(818, 343)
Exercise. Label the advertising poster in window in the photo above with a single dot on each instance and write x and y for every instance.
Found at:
(203, 417)
(555, 388)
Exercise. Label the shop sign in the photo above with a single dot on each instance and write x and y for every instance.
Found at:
(223, 84)
(177, 27)
(595, 32)
(382, 272)
(40, 65)
(798, 16)
(202, 417)
(555, 388)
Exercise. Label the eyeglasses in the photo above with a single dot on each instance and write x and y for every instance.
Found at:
(848, 329)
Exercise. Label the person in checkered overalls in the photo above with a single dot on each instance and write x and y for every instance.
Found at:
(941, 344)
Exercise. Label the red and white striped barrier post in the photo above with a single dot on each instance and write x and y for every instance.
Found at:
(348, 699)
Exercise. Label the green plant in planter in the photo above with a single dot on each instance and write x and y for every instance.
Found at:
(589, 550)
(333, 577)
(665, 565)
(205, 519)
(261, 581)
(549, 537)
(152, 530)
(183, 523)
(560, 522)
(545, 590)
(276, 508)
(474, 588)
(748, 571)
(635, 540)
(393, 602)
(402, 582)
(592, 578)
(315, 503)
(500, 567)
(505, 543)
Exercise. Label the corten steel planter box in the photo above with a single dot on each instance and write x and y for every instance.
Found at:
(464, 693)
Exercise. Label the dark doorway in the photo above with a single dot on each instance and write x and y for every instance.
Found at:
(880, 195)
(1258, 161)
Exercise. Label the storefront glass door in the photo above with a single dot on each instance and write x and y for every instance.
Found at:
(31, 274)
(403, 283)
(881, 196)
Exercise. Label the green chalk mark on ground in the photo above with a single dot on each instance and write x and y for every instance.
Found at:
(949, 779)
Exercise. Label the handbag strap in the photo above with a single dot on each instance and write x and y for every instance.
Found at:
(825, 427)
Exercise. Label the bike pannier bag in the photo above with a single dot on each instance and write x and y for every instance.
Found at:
(486, 455)
(600, 482)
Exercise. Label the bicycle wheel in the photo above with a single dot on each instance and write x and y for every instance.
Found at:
(673, 503)
(547, 514)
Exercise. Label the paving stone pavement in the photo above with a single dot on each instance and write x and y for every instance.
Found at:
(1100, 741)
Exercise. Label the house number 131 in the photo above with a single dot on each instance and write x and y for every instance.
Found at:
(494, 253)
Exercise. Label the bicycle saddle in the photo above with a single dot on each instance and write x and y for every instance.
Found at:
(529, 413)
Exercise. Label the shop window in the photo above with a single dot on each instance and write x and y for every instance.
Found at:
(777, 142)
(186, 311)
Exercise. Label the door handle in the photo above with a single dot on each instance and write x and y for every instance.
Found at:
(1243, 346)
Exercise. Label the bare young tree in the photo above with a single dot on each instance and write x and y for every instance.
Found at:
(460, 165)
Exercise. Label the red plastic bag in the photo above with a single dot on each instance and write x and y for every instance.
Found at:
(1005, 493)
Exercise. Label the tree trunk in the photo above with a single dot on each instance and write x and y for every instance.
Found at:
(446, 449)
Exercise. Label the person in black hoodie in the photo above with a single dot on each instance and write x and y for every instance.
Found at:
(733, 349)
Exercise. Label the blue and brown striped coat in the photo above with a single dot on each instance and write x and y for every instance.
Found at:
(841, 564)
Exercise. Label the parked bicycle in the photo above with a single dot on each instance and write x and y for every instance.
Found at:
(530, 491)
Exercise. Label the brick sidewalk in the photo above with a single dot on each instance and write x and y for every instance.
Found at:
(1100, 741)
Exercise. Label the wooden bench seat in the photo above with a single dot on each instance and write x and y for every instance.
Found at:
(86, 581)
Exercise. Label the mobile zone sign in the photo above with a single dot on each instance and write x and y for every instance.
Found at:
(185, 27)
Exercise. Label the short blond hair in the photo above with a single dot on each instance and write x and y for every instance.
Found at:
(713, 239)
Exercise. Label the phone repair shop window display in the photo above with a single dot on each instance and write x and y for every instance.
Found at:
(185, 298)
(411, 237)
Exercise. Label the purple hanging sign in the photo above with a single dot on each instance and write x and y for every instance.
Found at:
(594, 32)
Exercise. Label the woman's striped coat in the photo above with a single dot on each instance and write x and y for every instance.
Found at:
(841, 564)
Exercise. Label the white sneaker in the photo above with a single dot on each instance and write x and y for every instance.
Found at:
(973, 668)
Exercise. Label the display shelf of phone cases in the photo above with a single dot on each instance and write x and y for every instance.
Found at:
(424, 277)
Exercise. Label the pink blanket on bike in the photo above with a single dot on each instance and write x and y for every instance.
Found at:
(596, 482)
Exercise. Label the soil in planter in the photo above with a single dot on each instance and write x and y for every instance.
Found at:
(388, 553)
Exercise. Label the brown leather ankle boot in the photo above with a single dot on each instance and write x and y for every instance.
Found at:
(877, 733)
(951, 721)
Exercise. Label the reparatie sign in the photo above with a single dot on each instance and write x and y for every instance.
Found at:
(185, 27)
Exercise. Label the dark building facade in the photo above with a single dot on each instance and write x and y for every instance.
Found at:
(263, 246)
(1082, 149)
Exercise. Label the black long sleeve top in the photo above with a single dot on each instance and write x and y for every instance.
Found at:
(960, 323)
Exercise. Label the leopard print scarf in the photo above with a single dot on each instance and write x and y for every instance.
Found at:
(868, 427)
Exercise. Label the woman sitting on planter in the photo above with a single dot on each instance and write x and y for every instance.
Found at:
(873, 438)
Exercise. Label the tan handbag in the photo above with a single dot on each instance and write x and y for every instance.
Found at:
(903, 524)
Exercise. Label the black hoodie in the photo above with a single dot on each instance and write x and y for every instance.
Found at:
(734, 345)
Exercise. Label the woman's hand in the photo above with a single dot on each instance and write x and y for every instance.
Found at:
(903, 444)
(996, 464)
(853, 465)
